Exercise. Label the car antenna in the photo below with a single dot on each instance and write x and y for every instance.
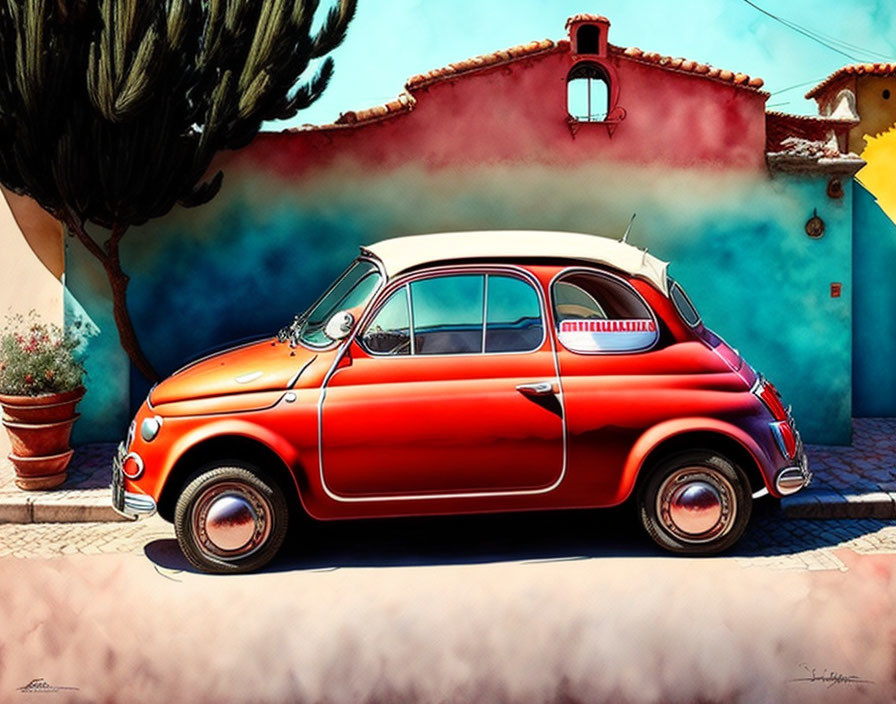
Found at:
(628, 229)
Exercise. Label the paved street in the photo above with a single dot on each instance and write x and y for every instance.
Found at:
(771, 541)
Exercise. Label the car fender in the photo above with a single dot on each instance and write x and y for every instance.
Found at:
(654, 436)
(230, 427)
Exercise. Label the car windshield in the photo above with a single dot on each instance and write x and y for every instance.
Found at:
(350, 291)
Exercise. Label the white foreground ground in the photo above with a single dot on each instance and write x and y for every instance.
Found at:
(377, 617)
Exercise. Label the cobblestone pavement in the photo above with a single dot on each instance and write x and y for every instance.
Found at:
(35, 540)
(771, 542)
(868, 465)
(90, 469)
(856, 481)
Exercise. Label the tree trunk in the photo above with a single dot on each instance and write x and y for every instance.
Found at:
(108, 256)
(118, 281)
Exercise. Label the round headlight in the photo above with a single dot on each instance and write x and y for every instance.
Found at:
(150, 428)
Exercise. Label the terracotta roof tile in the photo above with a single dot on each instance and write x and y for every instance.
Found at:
(477, 63)
(878, 69)
(406, 101)
(808, 144)
(779, 127)
(688, 66)
(584, 17)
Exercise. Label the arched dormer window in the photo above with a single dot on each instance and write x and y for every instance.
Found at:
(588, 39)
(587, 92)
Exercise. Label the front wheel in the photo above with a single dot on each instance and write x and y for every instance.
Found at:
(230, 519)
(696, 503)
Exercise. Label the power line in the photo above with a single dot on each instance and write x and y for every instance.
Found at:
(856, 47)
(825, 40)
(798, 85)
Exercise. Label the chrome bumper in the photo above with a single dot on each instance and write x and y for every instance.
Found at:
(791, 479)
(128, 504)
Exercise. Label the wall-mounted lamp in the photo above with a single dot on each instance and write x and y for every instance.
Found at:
(815, 226)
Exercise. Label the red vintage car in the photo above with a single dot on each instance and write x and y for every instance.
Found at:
(466, 373)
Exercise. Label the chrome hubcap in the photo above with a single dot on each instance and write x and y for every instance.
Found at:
(696, 504)
(231, 520)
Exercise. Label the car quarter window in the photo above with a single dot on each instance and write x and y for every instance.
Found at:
(598, 312)
(457, 314)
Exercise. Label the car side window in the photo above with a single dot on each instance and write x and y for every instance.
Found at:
(390, 330)
(447, 314)
(597, 312)
(513, 315)
(458, 314)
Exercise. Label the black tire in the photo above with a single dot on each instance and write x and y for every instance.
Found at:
(695, 503)
(228, 503)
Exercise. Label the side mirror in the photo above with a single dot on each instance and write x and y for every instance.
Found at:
(340, 325)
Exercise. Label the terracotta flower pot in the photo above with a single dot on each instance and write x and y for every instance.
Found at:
(46, 408)
(40, 439)
(38, 473)
(40, 428)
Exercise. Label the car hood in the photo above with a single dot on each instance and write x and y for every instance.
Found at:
(259, 366)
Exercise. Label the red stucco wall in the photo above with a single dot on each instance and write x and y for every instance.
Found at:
(517, 112)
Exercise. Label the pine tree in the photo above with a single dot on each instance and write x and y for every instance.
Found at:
(112, 110)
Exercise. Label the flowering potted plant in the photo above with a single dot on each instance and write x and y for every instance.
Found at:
(40, 385)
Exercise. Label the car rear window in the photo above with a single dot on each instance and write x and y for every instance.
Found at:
(599, 312)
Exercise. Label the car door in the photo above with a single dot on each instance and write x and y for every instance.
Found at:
(450, 389)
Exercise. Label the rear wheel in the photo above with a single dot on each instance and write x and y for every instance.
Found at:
(230, 519)
(696, 503)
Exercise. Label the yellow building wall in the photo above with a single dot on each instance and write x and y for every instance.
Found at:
(879, 173)
(876, 112)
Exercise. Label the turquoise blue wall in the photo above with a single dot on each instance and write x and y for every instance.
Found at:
(874, 308)
(265, 248)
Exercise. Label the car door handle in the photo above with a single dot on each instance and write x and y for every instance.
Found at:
(540, 388)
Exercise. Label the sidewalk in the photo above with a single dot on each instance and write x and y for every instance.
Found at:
(849, 482)
(86, 495)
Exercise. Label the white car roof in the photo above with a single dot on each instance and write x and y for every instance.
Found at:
(402, 253)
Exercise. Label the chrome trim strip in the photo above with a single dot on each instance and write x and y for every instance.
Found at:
(129, 440)
(407, 293)
(458, 495)
(484, 311)
(779, 439)
(295, 378)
